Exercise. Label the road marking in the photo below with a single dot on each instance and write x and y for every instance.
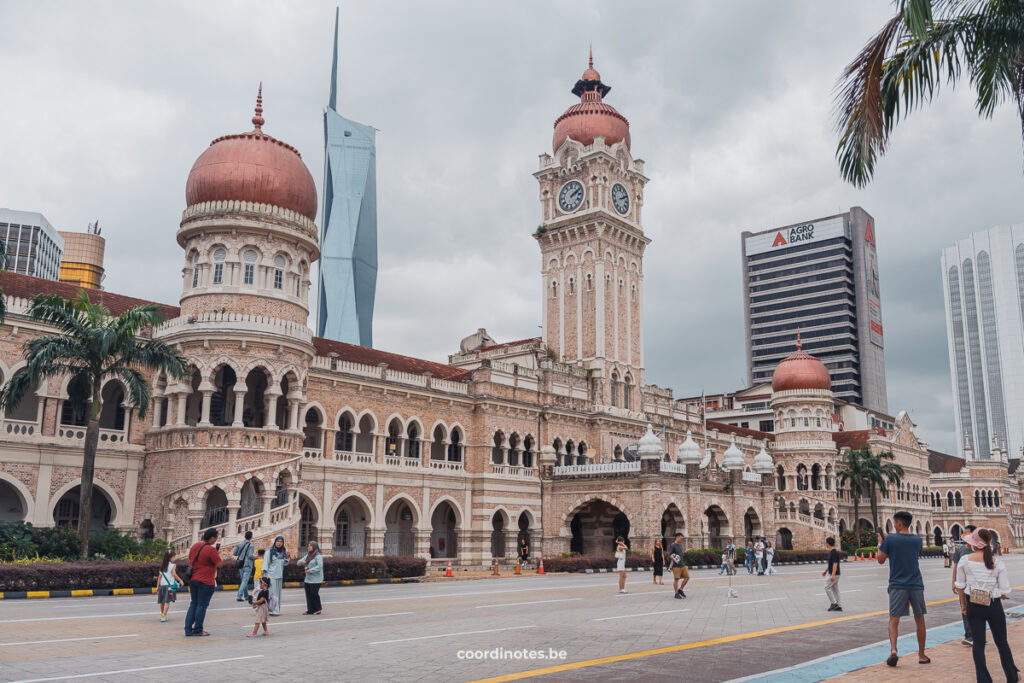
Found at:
(448, 635)
(689, 646)
(67, 640)
(646, 614)
(534, 602)
(855, 590)
(751, 602)
(143, 668)
(314, 621)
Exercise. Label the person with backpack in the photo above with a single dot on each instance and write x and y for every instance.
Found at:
(274, 562)
(245, 558)
(203, 560)
(167, 584)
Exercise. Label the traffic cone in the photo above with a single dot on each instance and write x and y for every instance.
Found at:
(517, 567)
(448, 572)
(495, 572)
(540, 569)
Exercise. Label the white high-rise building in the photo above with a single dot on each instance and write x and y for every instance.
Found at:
(34, 247)
(983, 285)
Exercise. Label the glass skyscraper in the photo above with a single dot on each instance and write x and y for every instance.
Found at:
(983, 287)
(34, 247)
(348, 238)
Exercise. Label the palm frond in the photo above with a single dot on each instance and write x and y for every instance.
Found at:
(61, 313)
(138, 389)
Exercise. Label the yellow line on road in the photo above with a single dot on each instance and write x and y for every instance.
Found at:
(689, 646)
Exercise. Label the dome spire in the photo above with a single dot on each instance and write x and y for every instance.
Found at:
(590, 61)
(799, 344)
(257, 120)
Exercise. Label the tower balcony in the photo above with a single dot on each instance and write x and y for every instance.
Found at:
(228, 322)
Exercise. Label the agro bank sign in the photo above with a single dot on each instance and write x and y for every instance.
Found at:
(815, 231)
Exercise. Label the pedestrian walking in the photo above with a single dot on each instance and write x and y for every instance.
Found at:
(274, 562)
(524, 550)
(832, 574)
(167, 584)
(203, 560)
(680, 574)
(314, 564)
(620, 562)
(982, 582)
(748, 557)
(257, 573)
(946, 553)
(906, 586)
(769, 555)
(658, 561)
(730, 557)
(759, 556)
(245, 559)
(260, 603)
(960, 550)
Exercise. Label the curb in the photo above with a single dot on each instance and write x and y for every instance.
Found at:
(97, 592)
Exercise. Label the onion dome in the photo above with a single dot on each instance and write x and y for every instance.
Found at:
(252, 167)
(650, 445)
(800, 370)
(733, 459)
(591, 117)
(763, 463)
(688, 452)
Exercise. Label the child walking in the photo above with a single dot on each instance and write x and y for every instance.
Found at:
(260, 604)
(167, 584)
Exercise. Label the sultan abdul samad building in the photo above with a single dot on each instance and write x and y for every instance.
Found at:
(276, 431)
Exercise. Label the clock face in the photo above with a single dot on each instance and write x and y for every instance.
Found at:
(620, 198)
(571, 196)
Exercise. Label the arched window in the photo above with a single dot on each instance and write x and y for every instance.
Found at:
(279, 264)
(996, 496)
(219, 254)
(195, 270)
(781, 477)
(588, 282)
(977, 498)
(615, 390)
(627, 390)
(343, 439)
(249, 266)
(554, 288)
(413, 446)
(959, 500)
(298, 284)
(949, 498)
(988, 498)
(572, 286)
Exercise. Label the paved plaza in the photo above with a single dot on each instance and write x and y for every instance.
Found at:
(421, 632)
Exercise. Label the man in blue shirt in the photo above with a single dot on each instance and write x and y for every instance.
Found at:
(906, 586)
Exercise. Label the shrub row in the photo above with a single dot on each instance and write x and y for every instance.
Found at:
(20, 541)
(102, 574)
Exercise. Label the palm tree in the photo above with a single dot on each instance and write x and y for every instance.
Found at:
(855, 477)
(904, 65)
(881, 475)
(90, 347)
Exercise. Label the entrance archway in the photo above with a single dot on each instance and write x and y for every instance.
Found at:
(498, 534)
(444, 531)
(751, 525)
(216, 510)
(65, 513)
(524, 533)
(717, 527)
(937, 534)
(672, 523)
(784, 539)
(399, 534)
(13, 507)
(594, 526)
(351, 528)
(307, 523)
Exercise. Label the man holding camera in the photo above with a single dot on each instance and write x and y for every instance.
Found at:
(203, 560)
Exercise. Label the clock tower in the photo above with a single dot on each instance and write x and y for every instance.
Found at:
(592, 244)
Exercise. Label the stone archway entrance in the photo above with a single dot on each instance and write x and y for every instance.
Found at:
(717, 525)
(308, 532)
(399, 537)
(938, 535)
(784, 539)
(444, 530)
(524, 533)
(671, 523)
(65, 513)
(751, 525)
(12, 506)
(351, 528)
(498, 534)
(595, 525)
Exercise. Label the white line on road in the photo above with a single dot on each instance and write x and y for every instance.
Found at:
(314, 621)
(67, 640)
(751, 602)
(645, 614)
(447, 635)
(143, 668)
(534, 602)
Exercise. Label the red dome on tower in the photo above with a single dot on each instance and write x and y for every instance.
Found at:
(800, 370)
(252, 167)
(591, 117)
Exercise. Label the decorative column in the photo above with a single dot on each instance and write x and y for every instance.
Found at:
(268, 500)
(239, 406)
(232, 519)
(294, 397)
(207, 390)
(327, 436)
(195, 519)
(270, 397)
(158, 406)
(182, 398)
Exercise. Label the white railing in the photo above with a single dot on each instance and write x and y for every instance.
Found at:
(949, 475)
(353, 457)
(393, 460)
(451, 465)
(388, 375)
(22, 428)
(313, 453)
(235, 206)
(250, 523)
(221, 321)
(676, 467)
(514, 470)
(752, 477)
(598, 468)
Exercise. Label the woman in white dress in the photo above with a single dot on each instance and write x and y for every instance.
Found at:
(620, 562)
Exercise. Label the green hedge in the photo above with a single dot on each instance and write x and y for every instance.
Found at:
(20, 541)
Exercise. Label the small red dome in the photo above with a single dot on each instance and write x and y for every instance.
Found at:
(800, 370)
(252, 167)
(591, 117)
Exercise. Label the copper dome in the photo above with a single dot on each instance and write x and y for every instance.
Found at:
(252, 167)
(800, 370)
(591, 117)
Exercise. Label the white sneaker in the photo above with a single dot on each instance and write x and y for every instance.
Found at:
(623, 590)
(163, 618)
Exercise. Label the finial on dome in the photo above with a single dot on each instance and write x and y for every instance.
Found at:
(590, 61)
(258, 119)
(799, 344)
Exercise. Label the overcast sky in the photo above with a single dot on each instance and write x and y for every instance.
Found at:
(105, 106)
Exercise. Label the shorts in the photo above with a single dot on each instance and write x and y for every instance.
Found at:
(164, 595)
(902, 599)
(680, 573)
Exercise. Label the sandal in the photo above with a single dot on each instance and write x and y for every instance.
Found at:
(251, 635)
(926, 660)
(893, 658)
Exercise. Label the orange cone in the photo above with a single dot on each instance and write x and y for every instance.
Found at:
(495, 571)
(540, 569)
(448, 572)
(517, 567)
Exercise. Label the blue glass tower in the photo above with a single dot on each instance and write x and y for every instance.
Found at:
(348, 239)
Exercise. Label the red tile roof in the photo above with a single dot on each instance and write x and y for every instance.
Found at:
(518, 342)
(740, 431)
(852, 440)
(26, 286)
(368, 356)
(942, 462)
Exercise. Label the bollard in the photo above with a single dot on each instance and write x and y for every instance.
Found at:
(517, 568)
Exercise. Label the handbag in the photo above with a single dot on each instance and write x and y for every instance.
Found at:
(187, 574)
(980, 597)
